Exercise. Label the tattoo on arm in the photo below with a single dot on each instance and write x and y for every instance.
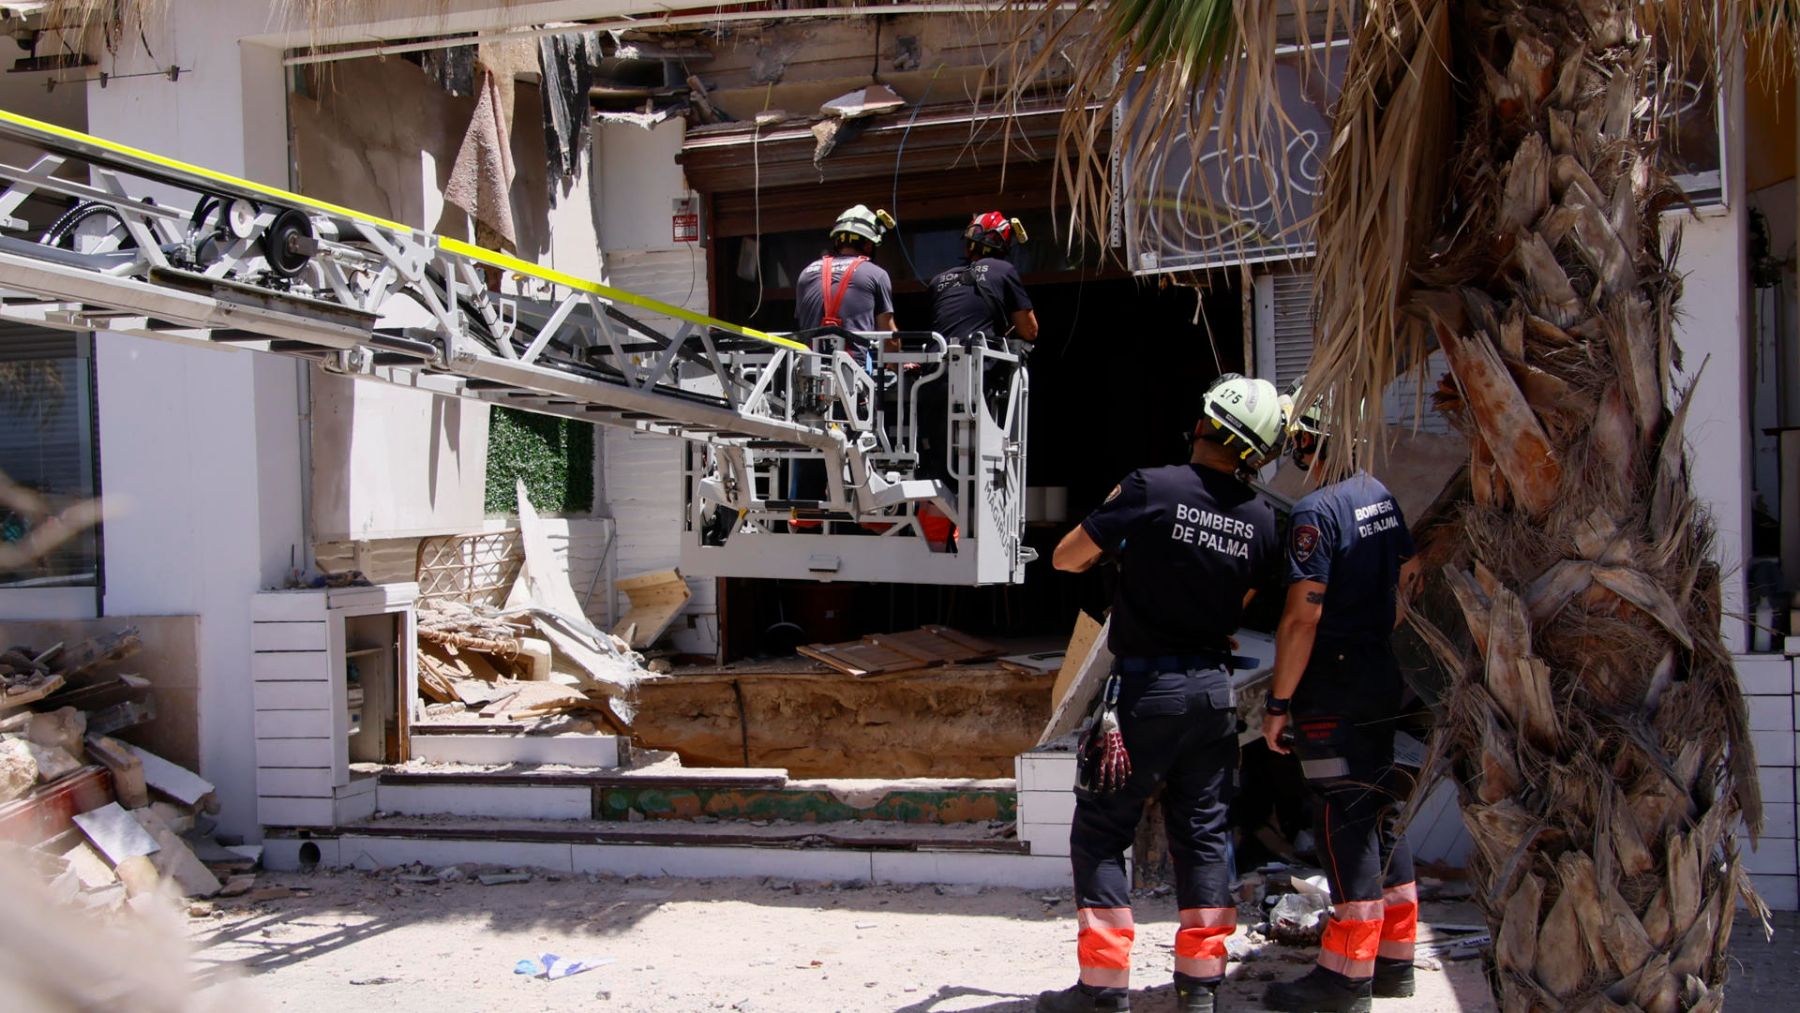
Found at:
(1315, 597)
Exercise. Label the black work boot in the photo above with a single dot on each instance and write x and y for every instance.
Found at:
(1393, 978)
(1194, 997)
(1318, 991)
(1079, 998)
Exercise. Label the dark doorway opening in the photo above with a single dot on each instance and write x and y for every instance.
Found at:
(1116, 378)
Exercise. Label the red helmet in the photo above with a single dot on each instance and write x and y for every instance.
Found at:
(995, 231)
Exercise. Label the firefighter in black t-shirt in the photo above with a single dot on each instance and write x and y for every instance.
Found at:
(1192, 542)
(981, 297)
(984, 294)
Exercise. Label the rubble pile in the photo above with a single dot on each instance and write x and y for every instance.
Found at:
(103, 820)
(480, 662)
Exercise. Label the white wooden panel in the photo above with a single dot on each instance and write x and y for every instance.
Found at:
(291, 666)
(297, 782)
(1773, 749)
(294, 753)
(1771, 713)
(1775, 856)
(540, 802)
(288, 606)
(282, 811)
(1046, 771)
(1049, 807)
(379, 597)
(1769, 674)
(293, 724)
(287, 637)
(1779, 892)
(1777, 783)
(292, 696)
(1046, 838)
(1778, 819)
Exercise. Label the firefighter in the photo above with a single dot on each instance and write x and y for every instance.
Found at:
(1350, 560)
(984, 294)
(1192, 542)
(846, 288)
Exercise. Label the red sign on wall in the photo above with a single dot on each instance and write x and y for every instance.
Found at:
(685, 222)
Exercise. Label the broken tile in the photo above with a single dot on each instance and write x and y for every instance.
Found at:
(173, 780)
(115, 833)
(174, 859)
(237, 886)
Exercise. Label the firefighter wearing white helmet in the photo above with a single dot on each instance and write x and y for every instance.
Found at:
(1193, 542)
(846, 288)
(1352, 569)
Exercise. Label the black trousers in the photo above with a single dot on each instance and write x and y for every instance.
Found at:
(1344, 722)
(1180, 729)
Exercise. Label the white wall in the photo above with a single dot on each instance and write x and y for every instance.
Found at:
(200, 448)
(638, 184)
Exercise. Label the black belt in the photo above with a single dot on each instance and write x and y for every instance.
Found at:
(1207, 660)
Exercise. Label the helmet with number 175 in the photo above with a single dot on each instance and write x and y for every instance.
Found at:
(1244, 415)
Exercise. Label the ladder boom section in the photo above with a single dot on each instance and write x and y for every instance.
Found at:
(843, 427)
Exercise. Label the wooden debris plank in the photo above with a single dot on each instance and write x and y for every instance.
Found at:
(129, 786)
(1041, 663)
(76, 663)
(537, 699)
(1081, 643)
(496, 707)
(859, 657)
(1090, 674)
(973, 648)
(19, 696)
(921, 646)
(49, 811)
(656, 599)
(101, 694)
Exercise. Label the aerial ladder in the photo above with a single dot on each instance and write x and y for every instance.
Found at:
(827, 455)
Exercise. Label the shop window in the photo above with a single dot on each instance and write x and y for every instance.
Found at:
(47, 448)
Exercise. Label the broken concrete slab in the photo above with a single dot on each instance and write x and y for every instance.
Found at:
(116, 834)
(178, 818)
(238, 885)
(89, 867)
(173, 780)
(63, 728)
(18, 768)
(174, 859)
(52, 761)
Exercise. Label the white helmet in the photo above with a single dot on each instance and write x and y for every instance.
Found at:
(859, 221)
(1245, 415)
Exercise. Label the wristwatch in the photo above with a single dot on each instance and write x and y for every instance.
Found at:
(1276, 704)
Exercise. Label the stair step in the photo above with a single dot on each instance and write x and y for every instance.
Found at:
(876, 853)
(495, 748)
(676, 795)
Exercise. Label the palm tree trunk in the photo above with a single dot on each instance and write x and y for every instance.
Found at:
(1595, 729)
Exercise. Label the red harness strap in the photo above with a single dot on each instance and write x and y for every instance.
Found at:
(833, 298)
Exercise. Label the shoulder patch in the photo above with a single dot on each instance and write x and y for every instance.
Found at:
(1306, 542)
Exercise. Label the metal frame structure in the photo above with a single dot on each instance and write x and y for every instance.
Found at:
(230, 262)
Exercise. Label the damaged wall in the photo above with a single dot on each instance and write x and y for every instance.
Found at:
(946, 722)
(389, 462)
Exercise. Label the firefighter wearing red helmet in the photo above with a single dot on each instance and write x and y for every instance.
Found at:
(984, 295)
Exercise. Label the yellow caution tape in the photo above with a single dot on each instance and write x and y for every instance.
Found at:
(456, 246)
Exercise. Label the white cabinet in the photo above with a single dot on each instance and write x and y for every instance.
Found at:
(335, 682)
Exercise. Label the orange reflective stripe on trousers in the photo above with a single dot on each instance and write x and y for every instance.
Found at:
(1103, 947)
(1400, 921)
(1352, 937)
(1200, 941)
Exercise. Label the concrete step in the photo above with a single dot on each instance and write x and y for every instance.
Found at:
(503, 744)
(849, 852)
(679, 794)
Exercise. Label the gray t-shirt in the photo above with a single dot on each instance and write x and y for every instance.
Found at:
(871, 294)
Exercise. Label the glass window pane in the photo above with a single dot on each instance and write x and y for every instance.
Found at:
(47, 448)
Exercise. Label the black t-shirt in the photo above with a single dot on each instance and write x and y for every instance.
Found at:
(1351, 537)
(981, 296)
(1190, 541)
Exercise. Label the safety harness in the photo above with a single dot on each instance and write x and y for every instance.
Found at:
(833, 298)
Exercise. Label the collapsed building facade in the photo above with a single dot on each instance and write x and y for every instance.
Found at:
(698, 159)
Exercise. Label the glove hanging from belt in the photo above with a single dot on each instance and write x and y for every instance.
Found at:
(1105, 765)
